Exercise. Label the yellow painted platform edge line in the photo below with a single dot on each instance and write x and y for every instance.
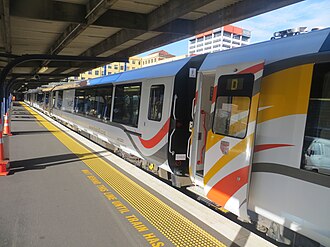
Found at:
(77, 149)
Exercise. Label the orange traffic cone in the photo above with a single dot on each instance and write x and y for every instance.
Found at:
(4, 164)
(6, 128)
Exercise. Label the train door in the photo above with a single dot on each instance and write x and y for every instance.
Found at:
(154, 120)
(202, 117)
(230, 138)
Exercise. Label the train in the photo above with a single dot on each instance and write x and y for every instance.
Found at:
(248, 129)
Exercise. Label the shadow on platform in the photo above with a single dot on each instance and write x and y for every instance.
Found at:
(33, 132)
(44, 162)
(24, 120)
(20, 116)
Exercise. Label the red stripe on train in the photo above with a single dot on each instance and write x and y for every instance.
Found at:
(263, 147)
(157, 138)
(254, 69)
(228, 186)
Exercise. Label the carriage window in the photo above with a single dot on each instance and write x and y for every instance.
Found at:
(156, 102)
(90, 104)
(40, 97)
(127, 104)
(103, 103)
(316, 148)
(59, 99)
(46, 98)
(231, 116)
(79, 101)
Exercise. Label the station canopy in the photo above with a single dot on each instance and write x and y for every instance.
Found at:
(98, 32)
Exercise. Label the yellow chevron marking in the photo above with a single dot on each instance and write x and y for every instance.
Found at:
(225, 159)
(287, 91)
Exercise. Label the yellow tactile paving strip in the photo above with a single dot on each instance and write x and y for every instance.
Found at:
(175, 227)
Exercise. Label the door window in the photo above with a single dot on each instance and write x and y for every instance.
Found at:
(231, 116)
(156, 102)
(232, 106)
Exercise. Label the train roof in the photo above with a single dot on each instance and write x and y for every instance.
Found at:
(270, 51)
(156, 71)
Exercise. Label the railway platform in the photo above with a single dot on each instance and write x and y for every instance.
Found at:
(64, 190)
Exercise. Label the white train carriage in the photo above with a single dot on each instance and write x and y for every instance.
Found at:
(258, 109)
(256, 119)
(143, 114)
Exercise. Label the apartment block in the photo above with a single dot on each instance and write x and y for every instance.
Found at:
(112, 68)
(219, 39)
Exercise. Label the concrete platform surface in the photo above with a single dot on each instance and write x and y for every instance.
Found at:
(61, 193)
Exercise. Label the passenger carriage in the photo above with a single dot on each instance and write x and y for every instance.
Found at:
(249, 127)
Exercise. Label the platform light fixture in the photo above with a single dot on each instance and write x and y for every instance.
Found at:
(42, 69)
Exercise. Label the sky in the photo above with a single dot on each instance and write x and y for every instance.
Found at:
(308, 13)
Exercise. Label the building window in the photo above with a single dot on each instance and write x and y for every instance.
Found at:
(217, 34)
(245, 38)
(109, 66)
(193, 41)
(90, 72)
(235, 36)
(226, 34)
(109, 73)
(156, 102)
(200, 39)
(227, 40)
(121, 67)
(316, 148)
(97, 72)
(208, 37)
(116, 66)
(127, 104)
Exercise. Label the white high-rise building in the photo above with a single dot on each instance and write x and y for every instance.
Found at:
(219, 39)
